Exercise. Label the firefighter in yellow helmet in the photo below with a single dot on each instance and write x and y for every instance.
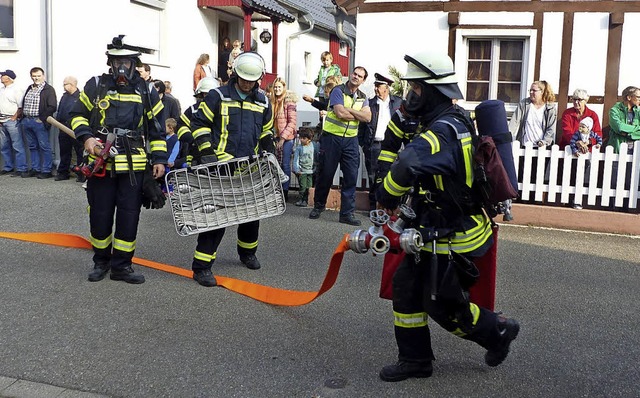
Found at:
(120, 105)
(232, 121)
(437, 165)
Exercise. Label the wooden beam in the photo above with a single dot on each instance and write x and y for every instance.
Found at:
(497, 6)
(565, 64)
(612, 73)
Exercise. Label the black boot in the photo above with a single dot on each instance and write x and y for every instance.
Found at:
(204, 277)
(126, 274)
(508, 329)
(100, 270)
(250, 260)
(402, 370)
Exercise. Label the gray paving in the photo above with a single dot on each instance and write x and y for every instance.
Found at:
(575, 295)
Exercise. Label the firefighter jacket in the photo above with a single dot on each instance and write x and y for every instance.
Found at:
(230, 127)
(342, 128)
(132, 112)
(400, 131)
(438, 163)
(188, 148)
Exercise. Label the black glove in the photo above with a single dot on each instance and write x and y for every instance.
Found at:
(204, 159)
(152, 195)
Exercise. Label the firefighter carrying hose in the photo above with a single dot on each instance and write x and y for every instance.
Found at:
(232, 121)
(435, 283)
(118, 110)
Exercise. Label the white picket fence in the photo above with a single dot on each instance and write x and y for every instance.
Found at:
(612, 177)
(554, 176)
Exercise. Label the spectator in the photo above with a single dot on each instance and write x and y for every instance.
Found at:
(145, 72)
(171, 108)
(303, 162)
(232, 122)
(201, 70)
(584, 139)
(370, 135)
(173, 145)
(223, 60)
(571, 117)
(12, 143)
(38, 104)
(168, 88)
(234, 54)
(535, 117)
(326, 69)
(285, 123)
(339, 145)
(624, 120)
(581, 143)
(69, 98)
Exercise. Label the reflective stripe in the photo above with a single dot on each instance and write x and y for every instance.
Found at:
(101, 243)
(417, 320)
(393, 188)
(467, 152)
(201, 131)
(475, 314)
(246, 245)
(434, 143)
(182, 131)
(387, 156)
(124, 246)
(467, 241)
(204, 256)
(205, 111)
(396, 130)
(158, 145)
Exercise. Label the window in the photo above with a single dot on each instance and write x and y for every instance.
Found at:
(495, 69)
(7, 38)
(308, 67)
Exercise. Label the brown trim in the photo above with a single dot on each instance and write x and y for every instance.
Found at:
(538, 20)
(454, 20)
(502, 27)
(612, 74)
(565, 66)
(593, 99)
(498, 6)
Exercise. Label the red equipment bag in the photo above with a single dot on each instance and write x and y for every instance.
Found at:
(482, 293)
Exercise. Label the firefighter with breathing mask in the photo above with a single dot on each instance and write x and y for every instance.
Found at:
(437, 167)
(232, 121)
(118, 110)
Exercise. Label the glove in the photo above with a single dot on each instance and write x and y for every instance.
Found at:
(152, 195)
(204, 159)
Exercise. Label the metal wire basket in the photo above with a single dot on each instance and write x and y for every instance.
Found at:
(221, 194)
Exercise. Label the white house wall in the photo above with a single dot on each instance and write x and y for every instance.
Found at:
(551, 49)
(383, 39)
(629, 60)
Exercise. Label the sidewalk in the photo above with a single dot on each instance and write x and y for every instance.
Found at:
(536, 215)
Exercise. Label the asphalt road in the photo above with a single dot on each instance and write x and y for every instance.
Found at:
(575, 295)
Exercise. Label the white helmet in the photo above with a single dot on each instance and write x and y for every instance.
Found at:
(206, 84)
(430, 66)
(249, 66)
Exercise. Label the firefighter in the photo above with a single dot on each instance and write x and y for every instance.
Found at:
(119, 103)
(437, 165)
(234, 120)
(190, 150)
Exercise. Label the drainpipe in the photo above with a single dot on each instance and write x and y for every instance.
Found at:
(307, 17)
(340, 14)
(48, 39)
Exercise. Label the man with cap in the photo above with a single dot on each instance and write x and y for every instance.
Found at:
(371, 134)
(11, 144)
(438, 164)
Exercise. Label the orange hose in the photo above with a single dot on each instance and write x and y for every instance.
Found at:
(266, 294)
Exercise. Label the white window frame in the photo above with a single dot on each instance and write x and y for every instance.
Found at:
(159, 4)
(9, 43)
(528, 58)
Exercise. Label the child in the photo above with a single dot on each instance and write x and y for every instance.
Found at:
(581, 143)
(173, 148)
(327, 69)
(584, 139)
(235, 51)
(303, 164)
